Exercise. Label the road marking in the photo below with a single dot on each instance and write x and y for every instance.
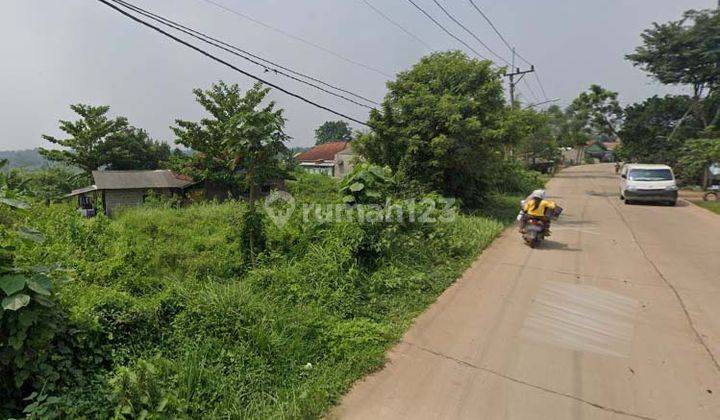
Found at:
(583, 318)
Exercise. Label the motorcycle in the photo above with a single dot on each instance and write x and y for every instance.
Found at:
(535, 230)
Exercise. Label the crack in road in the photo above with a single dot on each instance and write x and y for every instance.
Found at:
(668, 283)
(528, 384)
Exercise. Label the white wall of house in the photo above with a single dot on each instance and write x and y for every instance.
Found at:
(117, 199)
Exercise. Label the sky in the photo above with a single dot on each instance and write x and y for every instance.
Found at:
(56, 53)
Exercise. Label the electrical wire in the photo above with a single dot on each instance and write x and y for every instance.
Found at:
(502, 38)
(297, 38)
(529, 88)
(387, 18)
(540, 83)
(507, 44)
(214, 42)
(221, 61)
(455, 37)
(472, 34)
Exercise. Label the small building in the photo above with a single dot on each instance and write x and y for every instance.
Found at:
(119, 189)
(334, 159)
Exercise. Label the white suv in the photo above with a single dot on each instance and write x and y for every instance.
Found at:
(648, 183)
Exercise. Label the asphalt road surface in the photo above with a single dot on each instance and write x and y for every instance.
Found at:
(616, 316)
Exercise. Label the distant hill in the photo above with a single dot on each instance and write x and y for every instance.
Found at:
(29, 159)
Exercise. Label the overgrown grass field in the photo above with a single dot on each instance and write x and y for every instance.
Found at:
(182, 325)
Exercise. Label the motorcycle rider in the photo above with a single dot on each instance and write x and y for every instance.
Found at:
(536, 206)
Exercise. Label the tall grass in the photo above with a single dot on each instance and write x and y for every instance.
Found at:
(190, 329)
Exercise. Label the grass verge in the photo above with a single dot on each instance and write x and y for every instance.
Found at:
(713, 206)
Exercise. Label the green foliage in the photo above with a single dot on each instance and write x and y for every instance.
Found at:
(333, 131)
(240, 147)
(597, 111)
(367, 184)
(696, 156)
(683, 51)
(95, 140)
(172, 322)
(440, 125)
(511, 178)
(656, 129)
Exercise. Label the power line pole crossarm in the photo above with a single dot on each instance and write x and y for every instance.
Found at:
(513, 83)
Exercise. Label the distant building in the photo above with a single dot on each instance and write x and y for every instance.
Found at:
(119, 189)
(334, 159)
(604, 151)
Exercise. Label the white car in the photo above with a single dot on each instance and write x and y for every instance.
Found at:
(648, 183)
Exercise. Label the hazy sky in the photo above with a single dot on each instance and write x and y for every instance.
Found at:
(58, 52)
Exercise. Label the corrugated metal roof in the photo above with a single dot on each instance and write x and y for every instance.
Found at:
(326, 151)
(82, 191)
(125, 180)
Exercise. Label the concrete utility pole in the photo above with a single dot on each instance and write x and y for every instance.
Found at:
(514, 82)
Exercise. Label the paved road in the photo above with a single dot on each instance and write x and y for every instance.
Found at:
(617, 316)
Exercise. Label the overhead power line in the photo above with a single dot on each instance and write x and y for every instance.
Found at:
(394, 23)
(444, 29)
(269, 65)
(297, 38)
(540, 83)
(529, 88)
(472, 34)
(221, 61)
(507, 44)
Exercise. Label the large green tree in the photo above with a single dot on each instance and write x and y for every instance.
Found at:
(441, 125)
(597, 111)
(96, 140)
(333, 131)
(685, 52)
(84, 146)
(652, 132)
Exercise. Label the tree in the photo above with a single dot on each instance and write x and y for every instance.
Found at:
(134, 149)
(685, 52)
(649, 126)
(238, 146)
(97, 141)
(597, 111)
(87, 137)
(333, 131)
(441, 125)
(697, 156)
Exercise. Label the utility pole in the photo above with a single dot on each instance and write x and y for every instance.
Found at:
(512, 75)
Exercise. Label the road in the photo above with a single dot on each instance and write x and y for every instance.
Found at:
(616, 316)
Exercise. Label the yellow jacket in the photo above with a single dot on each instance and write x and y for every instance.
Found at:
(540, 210)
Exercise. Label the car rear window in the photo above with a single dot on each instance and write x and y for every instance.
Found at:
(650, 175)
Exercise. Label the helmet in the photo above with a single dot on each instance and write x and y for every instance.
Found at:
(538, 194)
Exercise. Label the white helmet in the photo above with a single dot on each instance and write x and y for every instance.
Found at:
(538, 194)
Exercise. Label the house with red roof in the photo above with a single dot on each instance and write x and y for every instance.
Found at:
(334, 159)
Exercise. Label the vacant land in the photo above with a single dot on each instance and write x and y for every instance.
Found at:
(178, 322)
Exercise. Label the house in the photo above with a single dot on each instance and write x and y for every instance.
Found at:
(128, 188)
(601, 150)
(334, 159)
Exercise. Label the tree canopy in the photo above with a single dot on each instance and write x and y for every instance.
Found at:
(96, 140)
(649, 126)
(333, 131)
(685, 51)
(441, 125)
(240, 144)
(597, 111)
